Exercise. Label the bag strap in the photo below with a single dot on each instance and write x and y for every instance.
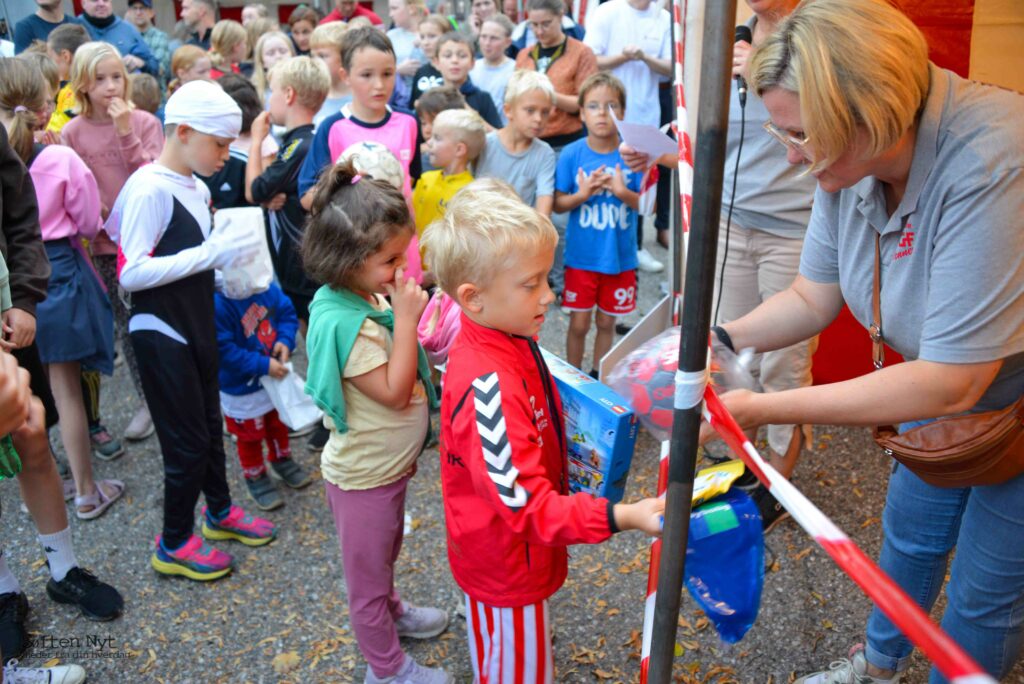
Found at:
(875, 331)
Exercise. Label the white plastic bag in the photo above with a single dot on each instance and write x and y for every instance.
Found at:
(251, 271)
(295, 408)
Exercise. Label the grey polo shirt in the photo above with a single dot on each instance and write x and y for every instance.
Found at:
(772, 195)
(953, 252)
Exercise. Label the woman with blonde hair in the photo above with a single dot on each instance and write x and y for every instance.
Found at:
(229, 47)
(917, 226)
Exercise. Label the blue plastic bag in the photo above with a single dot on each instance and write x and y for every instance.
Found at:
(725, 562)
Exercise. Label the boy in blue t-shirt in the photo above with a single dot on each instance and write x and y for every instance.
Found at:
(592, 181)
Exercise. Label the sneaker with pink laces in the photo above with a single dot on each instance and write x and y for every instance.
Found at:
(196, 560)
(240, 526)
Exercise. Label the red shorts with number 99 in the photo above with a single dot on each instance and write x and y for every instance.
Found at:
(614, 295)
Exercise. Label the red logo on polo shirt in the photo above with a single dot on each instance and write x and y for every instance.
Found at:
(906, 246)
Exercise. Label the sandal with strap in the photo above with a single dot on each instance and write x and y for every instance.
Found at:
(99, 500)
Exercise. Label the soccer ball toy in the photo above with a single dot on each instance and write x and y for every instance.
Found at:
(647, 378)
(376, 161)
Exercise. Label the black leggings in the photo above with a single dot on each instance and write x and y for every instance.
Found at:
(181, 388)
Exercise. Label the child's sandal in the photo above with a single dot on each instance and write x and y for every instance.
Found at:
(99, 501)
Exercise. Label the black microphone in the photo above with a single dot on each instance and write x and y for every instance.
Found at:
(743, 34)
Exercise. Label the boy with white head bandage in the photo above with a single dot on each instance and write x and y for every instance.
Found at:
(167, 256)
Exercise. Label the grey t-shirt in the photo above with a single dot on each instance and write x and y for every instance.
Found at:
(953, 251)
(531, 173)
(771, 195)
(493, 80)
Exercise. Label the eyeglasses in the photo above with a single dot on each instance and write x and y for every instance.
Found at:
(798, 145)
(595, 107)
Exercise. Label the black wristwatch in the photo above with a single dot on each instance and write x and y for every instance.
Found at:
(723, 337)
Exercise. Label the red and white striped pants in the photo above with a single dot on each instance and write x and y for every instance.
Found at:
(510, 645)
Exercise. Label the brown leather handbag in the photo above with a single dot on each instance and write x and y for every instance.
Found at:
(957, 451)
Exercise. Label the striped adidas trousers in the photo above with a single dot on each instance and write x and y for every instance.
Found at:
(510, 645)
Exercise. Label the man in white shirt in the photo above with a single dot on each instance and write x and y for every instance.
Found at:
(631, 39)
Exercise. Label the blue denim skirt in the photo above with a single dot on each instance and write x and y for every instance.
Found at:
(75, 321)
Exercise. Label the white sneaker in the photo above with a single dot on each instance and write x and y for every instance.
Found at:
(852, 670)
(647, 263)
(412, 673)
(421, 623)
(141, 425)
(60, 674)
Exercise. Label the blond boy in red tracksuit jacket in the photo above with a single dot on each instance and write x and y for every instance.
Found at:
(508, 510)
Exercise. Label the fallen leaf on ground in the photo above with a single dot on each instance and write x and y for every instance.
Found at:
(285, 662)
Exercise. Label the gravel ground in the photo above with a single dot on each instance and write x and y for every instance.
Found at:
(282, 616)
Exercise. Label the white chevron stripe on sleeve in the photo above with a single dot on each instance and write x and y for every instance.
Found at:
(515, 502)
(494, 441)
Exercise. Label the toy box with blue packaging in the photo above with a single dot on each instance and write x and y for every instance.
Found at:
(600, 430)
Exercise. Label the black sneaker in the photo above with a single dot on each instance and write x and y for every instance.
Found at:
(263, 492)
(97, 600)
(13, 635)
(772, 512)
(318, 439)
(290, 472)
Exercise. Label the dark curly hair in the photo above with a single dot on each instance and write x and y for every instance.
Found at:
(348, 222)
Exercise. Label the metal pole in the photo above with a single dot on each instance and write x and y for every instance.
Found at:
(709, 162)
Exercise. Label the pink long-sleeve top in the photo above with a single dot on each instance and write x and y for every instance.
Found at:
(69, 199)
(112, 157)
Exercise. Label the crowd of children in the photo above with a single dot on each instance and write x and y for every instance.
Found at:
(127, 167)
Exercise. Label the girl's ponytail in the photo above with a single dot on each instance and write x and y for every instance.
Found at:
(334, 180)
(22, 95)
(351, 217)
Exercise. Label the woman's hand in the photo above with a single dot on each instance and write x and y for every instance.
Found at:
(741, 58)
(745, 407)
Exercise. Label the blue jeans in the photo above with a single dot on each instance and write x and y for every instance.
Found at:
(985, 610)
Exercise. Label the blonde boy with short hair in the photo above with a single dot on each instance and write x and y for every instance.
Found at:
(325, 45)
(298, 86)
(457, 137)
(503, 441)
(515, 153)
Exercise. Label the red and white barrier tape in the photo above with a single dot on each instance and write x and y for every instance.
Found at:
(936, 645)
(652, 574)
(682, 122)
